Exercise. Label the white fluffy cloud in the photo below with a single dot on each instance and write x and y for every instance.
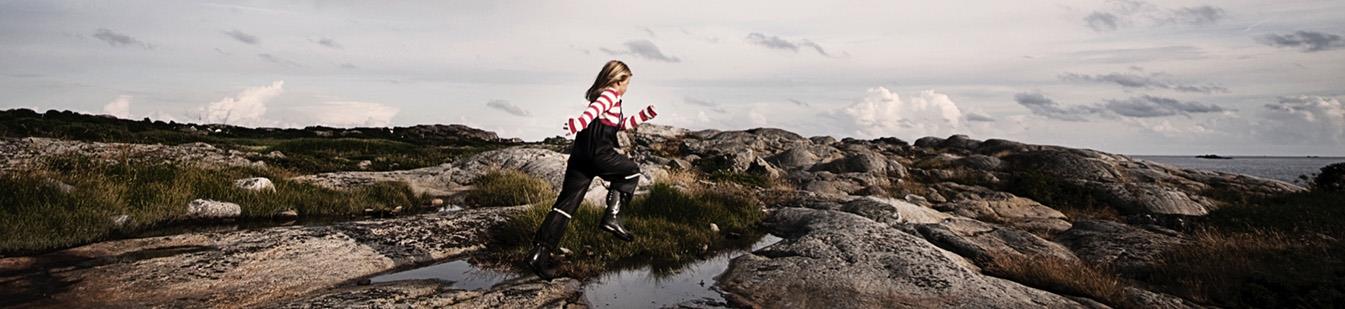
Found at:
(1306, 119)
(347, 114)
(884, 113)
(247, 108)
(119, 107)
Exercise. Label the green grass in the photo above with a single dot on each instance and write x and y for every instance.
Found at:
(315, 155)
(671, 227)
(508, 188)
(35, 215)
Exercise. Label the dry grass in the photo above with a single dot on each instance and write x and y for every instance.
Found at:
(1061, 276)
(1253, 269)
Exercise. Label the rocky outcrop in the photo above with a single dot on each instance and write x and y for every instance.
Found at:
(244, 268)
(833, 259)
(30, 152)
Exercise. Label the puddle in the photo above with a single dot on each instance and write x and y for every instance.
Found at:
(641, 288)
(692, 285)
(457, 274)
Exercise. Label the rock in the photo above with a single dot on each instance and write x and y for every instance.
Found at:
(822, 140)
(1011, 210)
(287, 214)
(210, 209)
(980, 162)
(62, 186)
(892, 211)
(928, 142)
(714, 227)
(960, 141)
(762, 168)
(437, 202)
(260, 267)
(794, 158)
(259, 184)
(433, 294)
(434, 180)
(983, 242)
(832, 259)
(364, 164)
(120, 221)
(541, 163)
(1116, 244)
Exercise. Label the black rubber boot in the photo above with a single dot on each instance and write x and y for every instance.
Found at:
(539, 261)
(610, 220)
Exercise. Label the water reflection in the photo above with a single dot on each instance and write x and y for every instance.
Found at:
(644, 287)
(457, 274)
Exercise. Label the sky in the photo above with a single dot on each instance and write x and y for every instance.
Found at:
(1126, 76)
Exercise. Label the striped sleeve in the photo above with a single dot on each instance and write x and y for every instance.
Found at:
(634, 121)
(594, 109)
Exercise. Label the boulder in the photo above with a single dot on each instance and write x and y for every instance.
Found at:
(794, 158)
(833, 259)
(1116, 244)
(259, 184)
(210, 209)
(928, 142)
(960, 141)
(892, 211)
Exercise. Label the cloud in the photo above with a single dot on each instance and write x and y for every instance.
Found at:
(644, 49)
(246, 108)
(119, 107)
(1144, 106)
(330, 43)
(1305, 119)
(1118, 14)
(1101, 21)
(797, 102)
(1135, 80)
(348, 114)
(884, 113)
(117, 39)
(1147, 106)
(709, 105)
(243, 37)
(1041, 105)
(278, 60)
(508, 108)
(1200, 15)
(775, 42)
(976, 116)
(1306, 41)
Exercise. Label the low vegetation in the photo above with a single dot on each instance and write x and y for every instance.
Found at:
(1286, 251)
(671, 223)
(509, 188)
(74, 200)
(1061, 276)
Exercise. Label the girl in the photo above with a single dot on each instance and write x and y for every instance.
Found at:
(594, 154)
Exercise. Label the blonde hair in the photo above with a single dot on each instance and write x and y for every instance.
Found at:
(613, 72)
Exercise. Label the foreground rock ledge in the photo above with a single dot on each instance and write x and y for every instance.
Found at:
(247, 268)
(833, 259)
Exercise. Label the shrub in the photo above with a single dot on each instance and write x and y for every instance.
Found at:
(1331, 178)
(509, 188)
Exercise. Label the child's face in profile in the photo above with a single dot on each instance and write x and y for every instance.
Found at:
(621, 86)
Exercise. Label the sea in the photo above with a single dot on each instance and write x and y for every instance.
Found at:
(1282, 168)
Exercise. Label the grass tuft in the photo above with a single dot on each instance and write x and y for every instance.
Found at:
(508, 188)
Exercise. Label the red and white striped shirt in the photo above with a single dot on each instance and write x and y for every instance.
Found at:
(607, 109)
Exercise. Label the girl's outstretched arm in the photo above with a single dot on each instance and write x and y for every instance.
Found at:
(599, 106)
(634, 121)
